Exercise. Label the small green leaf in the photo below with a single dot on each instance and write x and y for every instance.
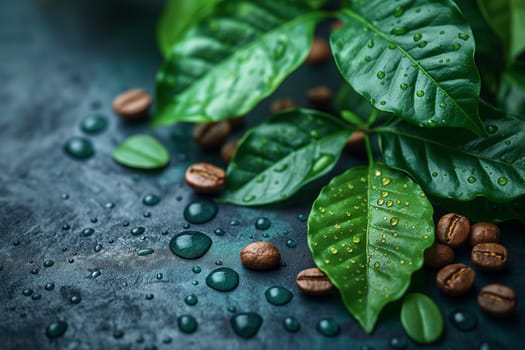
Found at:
(142, 152)
(449, 163)
(421, 318)
(226, 64)
(177, 17)
(352, 118)
(367, 231)
(511, 95)
(274, 160)
(414, 58)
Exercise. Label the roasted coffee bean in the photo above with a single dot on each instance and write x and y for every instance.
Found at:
(228, 150)
(453, 229)
(320, 51)
(455, 279)
(236, 122)
(497, 300)
(132, 104)
(205, 178)
(438, 255)
(282, 105)
(313, 281)
(484, 232)
(489, 257)
(319, 97)
(356, 142)
(211, 135)
(260, 256)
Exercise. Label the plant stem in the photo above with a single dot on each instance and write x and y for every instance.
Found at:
(373, 117)
(369, 150)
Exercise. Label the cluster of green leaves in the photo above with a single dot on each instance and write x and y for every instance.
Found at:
(413, 63)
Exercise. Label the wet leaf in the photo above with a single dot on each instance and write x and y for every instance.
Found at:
(274, 160)
(449, 163)
(142, 152)
(225, 65)
(367, 231)
(421, 318)
(412, 58)
(511, 95)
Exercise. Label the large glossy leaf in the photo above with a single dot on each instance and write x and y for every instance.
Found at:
(177, 17)
(367, 231)
(450, 163)
(224, 66)
(511, 95)
(274, 160)
(414, 58)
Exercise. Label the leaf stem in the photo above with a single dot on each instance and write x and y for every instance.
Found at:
(373, 117)
(369, 153)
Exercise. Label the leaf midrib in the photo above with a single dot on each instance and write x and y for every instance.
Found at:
(376, 30)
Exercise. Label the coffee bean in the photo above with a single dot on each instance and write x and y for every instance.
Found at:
(205, 178)
(282, 105)
(260, 256)
(313, 281)
(319, 97)
(497, 300)
(489, 257)
(337, 24)
(484, 232)
(211, 135)
(228, 150)
(132, 104)
(453, 229)
(320, 51)
(356, 142)
(455, 279)
(438, 255)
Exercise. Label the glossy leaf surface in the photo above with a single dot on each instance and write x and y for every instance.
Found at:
(142, 152)
(511, 95)
(449, 163)
(229, 62)
(414, 58)
(275, 159)
(367, 231)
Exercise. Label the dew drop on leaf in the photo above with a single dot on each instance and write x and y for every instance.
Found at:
(333, 250)
(385, 181)
(398, 31)
(471, 179)
(378, 172)
(417, 36)
(380, 75)
(377, 264)
(403, 86)
(389, 203)
(420, 93)
(370, 43)
(443, 105)
(434, 174)
(491, 129)
(380, 201)
(392, 45)
(502, 181)
(398, 12)
(422, 44)
(368, 58)
(248, 198)
(356, 239)
(394, 221)
(456, 46)
(463, 36)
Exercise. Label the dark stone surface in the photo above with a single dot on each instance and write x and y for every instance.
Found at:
(61, 61)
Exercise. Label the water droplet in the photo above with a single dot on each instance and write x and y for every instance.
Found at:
(456, 46)
(443, 105)
(502, 181)
(27, 292)
(380, 201)
(79, 147)
(368, 58)
(417, 36)
(380, 75)
(280, 48)
(370, 43)
(507, 142)
(260, 179)
(190, 244)
(491, 129)
(471, 179)
(246, 324)
(94, 124)
(137, 231)
(191, 300)
(48, 263)
(434, 174)
(463, 320)
(377, 264)
(398, 343)
(394, 221)
(150, 199)
(187, 323)
(291, 324)
(321, 163)
(314, 134)
(356, 239)
(403, 86)
(87, 232)
(463, 36)
(75, 299)
(385, 181)
(420, 93)
(49, 286)
(149, 296)
(422, 44)
(398, 31)
(196, 269)
(98, 248)
(392, 45)
(200, 211)
(145, 251)
(56, 329)
(334, 250)
(389, 203)
(262, 223)
(291, 243)
(398, 12)
(223, 279)
(248, 198)
(278, 295)
(219, 232)
(281, 168)
(159, 276)
(328, 327)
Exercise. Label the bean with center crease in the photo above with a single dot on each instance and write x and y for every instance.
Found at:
(313, 281)
(453, 229)
(132, 104)
(497, 300)
(205, 178)
(211, 135)
(455, 279)
(490, 257)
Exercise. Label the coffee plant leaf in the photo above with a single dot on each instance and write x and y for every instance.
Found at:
(227, 63)
(414, 58)
(368, 230)
(451, 164)
(511, 94)
(278, 157)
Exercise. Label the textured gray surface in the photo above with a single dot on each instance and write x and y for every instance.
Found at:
(61, 61)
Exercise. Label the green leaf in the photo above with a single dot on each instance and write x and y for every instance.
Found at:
(367, 231)
(352, 118)
(449, 163)
(177, 17)
(142, 152)
(511, 95)
(414, 58)
(421, 318)
(507, 19)
(274, 160)
(225, 65)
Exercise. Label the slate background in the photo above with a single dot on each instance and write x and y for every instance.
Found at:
(63, 60)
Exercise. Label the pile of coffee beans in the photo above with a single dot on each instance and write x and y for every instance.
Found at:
(487, 255)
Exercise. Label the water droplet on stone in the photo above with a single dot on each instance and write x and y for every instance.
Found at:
(190, 244)
(187, 324)
(49, 286)
(200, 211)
(191, 300)
(48, 263)
(145, 251)
(94, 124)
(87, 232)
(223, 279)
(56, 329)
(263, 223)
(219, 232)
(79, 148)
(291, 243)
(463, 320)
(291, 324)
(328, 327)
(246, 324)
(398, 343)
(278, 295)
(150, 199)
